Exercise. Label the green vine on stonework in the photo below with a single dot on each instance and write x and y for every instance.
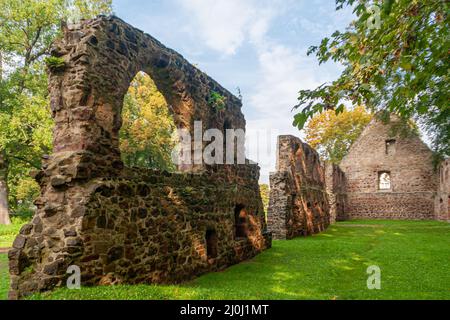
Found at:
(55, 63)
(217, 101)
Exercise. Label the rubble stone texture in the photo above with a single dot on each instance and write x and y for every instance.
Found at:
(442, 202)
(122, 225)
(298, 203)
(409, 162)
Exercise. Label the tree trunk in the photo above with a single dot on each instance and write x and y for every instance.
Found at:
(4, 209)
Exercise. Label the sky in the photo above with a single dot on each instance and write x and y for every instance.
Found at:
(258, 46)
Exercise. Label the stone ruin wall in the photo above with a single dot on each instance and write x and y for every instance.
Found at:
(298, 197)
(306, 196)
(336, 186)
(144, 226)
(413, 177)
(123, 225)
(442, 203)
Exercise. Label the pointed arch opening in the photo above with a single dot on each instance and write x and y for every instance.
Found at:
(147, 134)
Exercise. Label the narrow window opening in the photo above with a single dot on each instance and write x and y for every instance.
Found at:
(211, 244)
(384, 181)
(240, 221)
(390, 147)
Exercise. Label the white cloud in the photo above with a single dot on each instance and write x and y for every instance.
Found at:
(225, 25)
(283, 72)
(334, 20)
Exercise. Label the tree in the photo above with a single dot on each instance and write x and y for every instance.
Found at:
(4, 207)
(332, 135)
(27, 30)
(265, 192)
(146, 136)
(396, 60)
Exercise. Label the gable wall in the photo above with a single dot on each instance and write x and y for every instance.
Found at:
(413, 178)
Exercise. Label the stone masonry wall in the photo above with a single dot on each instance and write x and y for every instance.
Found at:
(101, 57)
(408, 161)
(141, 227)
(298, 198)
(124, 225)
(442, 202)
(336, 187)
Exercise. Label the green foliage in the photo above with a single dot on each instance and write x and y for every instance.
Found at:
(55, 63)
(217, 101)
(265, 192)
(146, 136)
(27, 30)
(413, 257)
(9, 233)
(24, 193)
(4, 277)
(332, 135)
(87, 9)
(400, 67)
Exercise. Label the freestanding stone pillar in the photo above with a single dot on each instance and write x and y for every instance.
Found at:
(298, 196)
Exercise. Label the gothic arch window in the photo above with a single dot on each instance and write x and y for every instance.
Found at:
(384, 181)
(146, 137)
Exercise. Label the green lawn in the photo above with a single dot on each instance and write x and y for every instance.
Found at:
(9, 233)
(414, 258)
(4, 283)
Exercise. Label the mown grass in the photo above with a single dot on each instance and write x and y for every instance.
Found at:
(414, 258)
(4, 283)
(9, 233)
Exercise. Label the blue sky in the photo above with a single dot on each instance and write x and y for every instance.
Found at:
(257, 45)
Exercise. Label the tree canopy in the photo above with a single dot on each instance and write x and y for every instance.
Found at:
(396, 59)
(333, 134)
(146, 136)
(27, 31)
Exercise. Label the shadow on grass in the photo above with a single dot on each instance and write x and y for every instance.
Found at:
(413, 257)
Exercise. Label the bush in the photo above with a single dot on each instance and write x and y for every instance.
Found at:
(217, 101)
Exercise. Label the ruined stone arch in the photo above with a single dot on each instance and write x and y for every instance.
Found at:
(102, 57)
(128, 225)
